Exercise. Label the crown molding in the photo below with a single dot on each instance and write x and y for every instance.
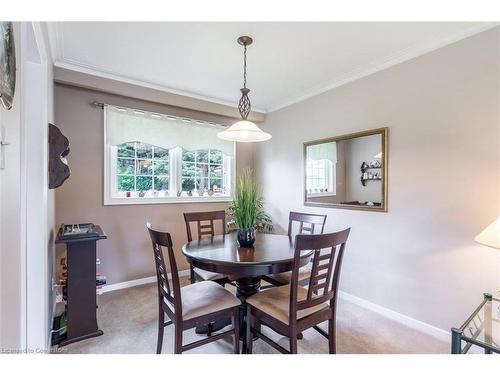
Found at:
(69, 64)
(55, 40)
(387, 62)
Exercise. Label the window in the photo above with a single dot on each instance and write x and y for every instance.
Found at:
(202, 172)
(320, 176)
(142, 167)
(153, 158)
(321, 165)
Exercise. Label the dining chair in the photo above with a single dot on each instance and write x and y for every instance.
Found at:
(313, 224)
(291, 309)
(193, 305)
(205, 227)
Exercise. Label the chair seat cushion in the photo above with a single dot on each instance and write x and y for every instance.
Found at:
(276, 303)
(286, 277)
(207, 275)
(204, 297)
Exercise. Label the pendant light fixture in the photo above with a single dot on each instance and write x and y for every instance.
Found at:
(244, 130)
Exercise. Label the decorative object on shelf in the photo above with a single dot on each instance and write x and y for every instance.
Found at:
(7, 64)
(244, 130)
(367, 173)
(58, 150)
(142, 194)
(128, 194)
(247, 210)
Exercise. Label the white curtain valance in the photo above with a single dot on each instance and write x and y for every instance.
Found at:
(124, 125)
(323, 151)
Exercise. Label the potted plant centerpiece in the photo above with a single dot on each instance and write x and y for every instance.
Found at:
(247, 209)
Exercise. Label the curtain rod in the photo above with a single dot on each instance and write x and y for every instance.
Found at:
(98, 104)
(102, 105)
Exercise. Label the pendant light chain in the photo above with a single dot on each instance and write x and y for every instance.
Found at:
(245, 68)
(244, 105)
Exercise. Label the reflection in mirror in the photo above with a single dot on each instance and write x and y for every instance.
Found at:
(347, 171)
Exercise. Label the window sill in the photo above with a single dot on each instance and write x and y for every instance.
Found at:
(328, 194)
(164, 200)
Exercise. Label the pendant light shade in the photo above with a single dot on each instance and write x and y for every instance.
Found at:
(244, 130)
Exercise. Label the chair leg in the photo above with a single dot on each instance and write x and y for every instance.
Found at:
(161, 327)
(191, 274)
(249, 335)
(178, 339)
(332, 342)
(236, 327)
(293, 343)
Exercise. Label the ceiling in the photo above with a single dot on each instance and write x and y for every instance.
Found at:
(287, 62)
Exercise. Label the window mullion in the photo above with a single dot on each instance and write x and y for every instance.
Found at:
(175, 170)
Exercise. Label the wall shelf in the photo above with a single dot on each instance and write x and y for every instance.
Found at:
(365, 176)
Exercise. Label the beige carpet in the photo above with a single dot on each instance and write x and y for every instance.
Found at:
(129, 320)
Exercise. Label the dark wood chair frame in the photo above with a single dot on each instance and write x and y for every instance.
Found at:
(323, 287)
(172, 294)
(312, 221)
(204, 230)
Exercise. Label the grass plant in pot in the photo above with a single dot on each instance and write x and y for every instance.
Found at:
(247, 209)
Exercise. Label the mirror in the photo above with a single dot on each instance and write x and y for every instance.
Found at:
(348, 171)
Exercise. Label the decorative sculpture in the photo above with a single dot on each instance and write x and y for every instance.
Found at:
(58, 150)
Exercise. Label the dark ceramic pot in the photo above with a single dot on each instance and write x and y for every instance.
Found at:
(246, 237)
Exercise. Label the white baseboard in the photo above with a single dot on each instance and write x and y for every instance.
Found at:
(136, 282)
(418, 325)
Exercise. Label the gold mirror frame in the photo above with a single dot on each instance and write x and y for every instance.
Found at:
(384, 133)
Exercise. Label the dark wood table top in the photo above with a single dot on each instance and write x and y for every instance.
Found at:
(271, 253)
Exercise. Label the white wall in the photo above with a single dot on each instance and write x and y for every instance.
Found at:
(359, 150)
(27, 250)
(10, 273)
(442, 110)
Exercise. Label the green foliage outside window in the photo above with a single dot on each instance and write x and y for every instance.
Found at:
(142, 167)
(202, 170)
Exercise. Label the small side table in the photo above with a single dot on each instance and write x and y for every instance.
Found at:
(81, 293)
(482, 329)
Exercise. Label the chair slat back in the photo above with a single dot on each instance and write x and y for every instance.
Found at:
(205, 222)
(325, 272)
(311, 221)
(167, 289)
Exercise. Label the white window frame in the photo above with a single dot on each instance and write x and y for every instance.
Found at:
(175, 167)
(331, 175)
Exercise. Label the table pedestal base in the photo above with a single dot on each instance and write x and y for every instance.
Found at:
(245, 287)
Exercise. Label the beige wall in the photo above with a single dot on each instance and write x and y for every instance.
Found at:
(442, 110)
(126, 254)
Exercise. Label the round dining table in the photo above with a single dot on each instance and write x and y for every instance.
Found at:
(270, 254)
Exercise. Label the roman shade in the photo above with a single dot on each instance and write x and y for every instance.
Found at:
(124, 125)
(323, 151)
